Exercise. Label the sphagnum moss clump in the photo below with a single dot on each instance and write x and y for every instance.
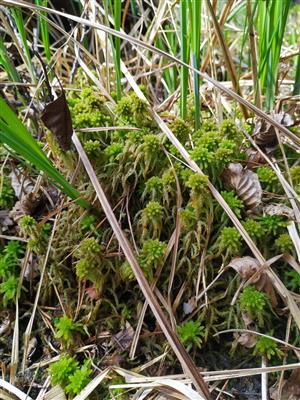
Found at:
(95, 283)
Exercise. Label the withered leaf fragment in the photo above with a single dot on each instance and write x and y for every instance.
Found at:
(57, 118)
(248, 267)
(264, 133)
(123, 339)
(246, 339)
(246, 185)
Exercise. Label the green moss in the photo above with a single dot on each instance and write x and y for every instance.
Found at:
(284, 243)
(267, 347)
(7, 194)
(61, 370)
(254, 228)
(66, 328)
(234, 202)
(191, 334)
(230, 241)
(254, 303)
(268, 179)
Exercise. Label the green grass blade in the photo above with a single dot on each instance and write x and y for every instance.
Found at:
(184, 73)
(117, 42)
(271, 24)
(195, 26)
(6, 63)
(43, 25)
(16, 136)
(296, 90)
(18, 18)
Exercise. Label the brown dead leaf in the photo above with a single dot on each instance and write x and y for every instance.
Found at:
(264, 133)
(279, 209)
(246, 339)
(246, 185)
(57, 118)
(248, 267)
(123, 339)
(291, 388)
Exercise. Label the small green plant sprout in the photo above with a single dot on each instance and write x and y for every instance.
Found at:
(113, 152)
(79, 379)
(230, 130)
(198, 184)
(254, 303)
(10, 259)
(92, 147)
(234, 203)
(284, 243)
(92, 264)
(38, 235)
(181, 130)
(7, 194)
(28, 227)
(254, 228)
(191, 334)
(61, 370)
(267, 347)
(293, 281)
(273, 224)
(229, 241)
(149, 151)
(153, 188)
(66, 329)
(188, 219)
(152, 218)
(268, 179)
(9, 288)
(89, 110)
(151, 256)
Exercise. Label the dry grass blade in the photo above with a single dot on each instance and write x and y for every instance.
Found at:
(294, 138)
(224, 15)
(92, 385)
(176, 345)
(14, 390)
(227, 56)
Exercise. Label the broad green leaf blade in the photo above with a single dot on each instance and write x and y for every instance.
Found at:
(16, 136)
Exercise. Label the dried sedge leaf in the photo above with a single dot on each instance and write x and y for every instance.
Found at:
(264, 133)
(246, 185)
(57, 118)
(279, 209)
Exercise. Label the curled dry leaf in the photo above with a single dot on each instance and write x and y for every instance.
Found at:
(279, 209)
(246, 339)
(57, 118)
(254, 158)
(247, 319)
(246, 185)
(264, 133)
(123, 339)
(248, 267)
(28, 205)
